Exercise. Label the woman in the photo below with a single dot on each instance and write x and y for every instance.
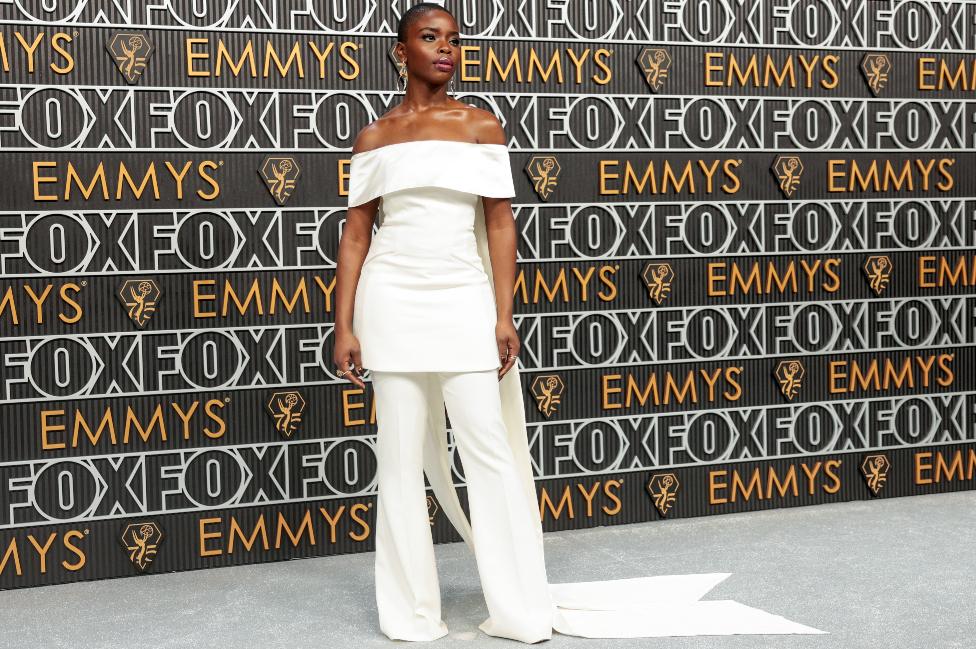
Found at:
(426, 306)
(416, 307)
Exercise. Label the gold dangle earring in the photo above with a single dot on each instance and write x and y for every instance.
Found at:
(402, 75)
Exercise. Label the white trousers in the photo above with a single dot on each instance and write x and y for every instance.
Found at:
(510, 561)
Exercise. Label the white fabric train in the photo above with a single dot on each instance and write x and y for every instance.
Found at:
(662, 605)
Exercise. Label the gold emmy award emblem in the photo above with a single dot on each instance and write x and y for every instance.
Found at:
(658, 278)
(655, 63)
(789, 374)
(548, 391)
(878, 270)
(141, 542)
(140, 297)
(787, 169)
(875, 469)
(876, 68)
(663, 488)
(281, 175)
(131, 52)
(544, 172)
(286, 408)
(431, 509)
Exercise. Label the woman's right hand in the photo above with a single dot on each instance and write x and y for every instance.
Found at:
(346, 356)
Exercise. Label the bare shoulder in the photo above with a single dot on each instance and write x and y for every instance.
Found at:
(369, 137)
(486, 126)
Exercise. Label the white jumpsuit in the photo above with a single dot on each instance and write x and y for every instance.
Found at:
(425, 318)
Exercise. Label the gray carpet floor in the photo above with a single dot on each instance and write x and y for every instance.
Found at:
(888, 573)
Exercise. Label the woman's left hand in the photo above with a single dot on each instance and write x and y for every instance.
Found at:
(508, 346)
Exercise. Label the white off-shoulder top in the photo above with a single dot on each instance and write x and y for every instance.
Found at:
(477, 168)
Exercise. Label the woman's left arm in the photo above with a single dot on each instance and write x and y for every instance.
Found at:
(501, 234)
(500, 230)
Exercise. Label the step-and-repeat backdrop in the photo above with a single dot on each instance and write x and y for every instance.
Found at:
(747, 257)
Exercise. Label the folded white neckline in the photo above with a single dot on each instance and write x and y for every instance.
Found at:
(387, 146)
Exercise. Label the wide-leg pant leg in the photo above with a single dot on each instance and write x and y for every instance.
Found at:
(408, 595)
(504, 523)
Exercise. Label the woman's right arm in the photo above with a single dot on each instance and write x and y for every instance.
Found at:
(357, 233)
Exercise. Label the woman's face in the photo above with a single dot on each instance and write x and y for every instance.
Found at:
(432, 48)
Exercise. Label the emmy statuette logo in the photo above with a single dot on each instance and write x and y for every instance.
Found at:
(876, 68)
(663, 488)
(548, 391)
(875, 469)
(878, 271)
(789, 375)
(787, 169)
(543, 170)
(286, 409)
(140, 297)
(658, 278)
(431, 509)
(131, 52)
(281, 176)
(655, 63)
(141, 542)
